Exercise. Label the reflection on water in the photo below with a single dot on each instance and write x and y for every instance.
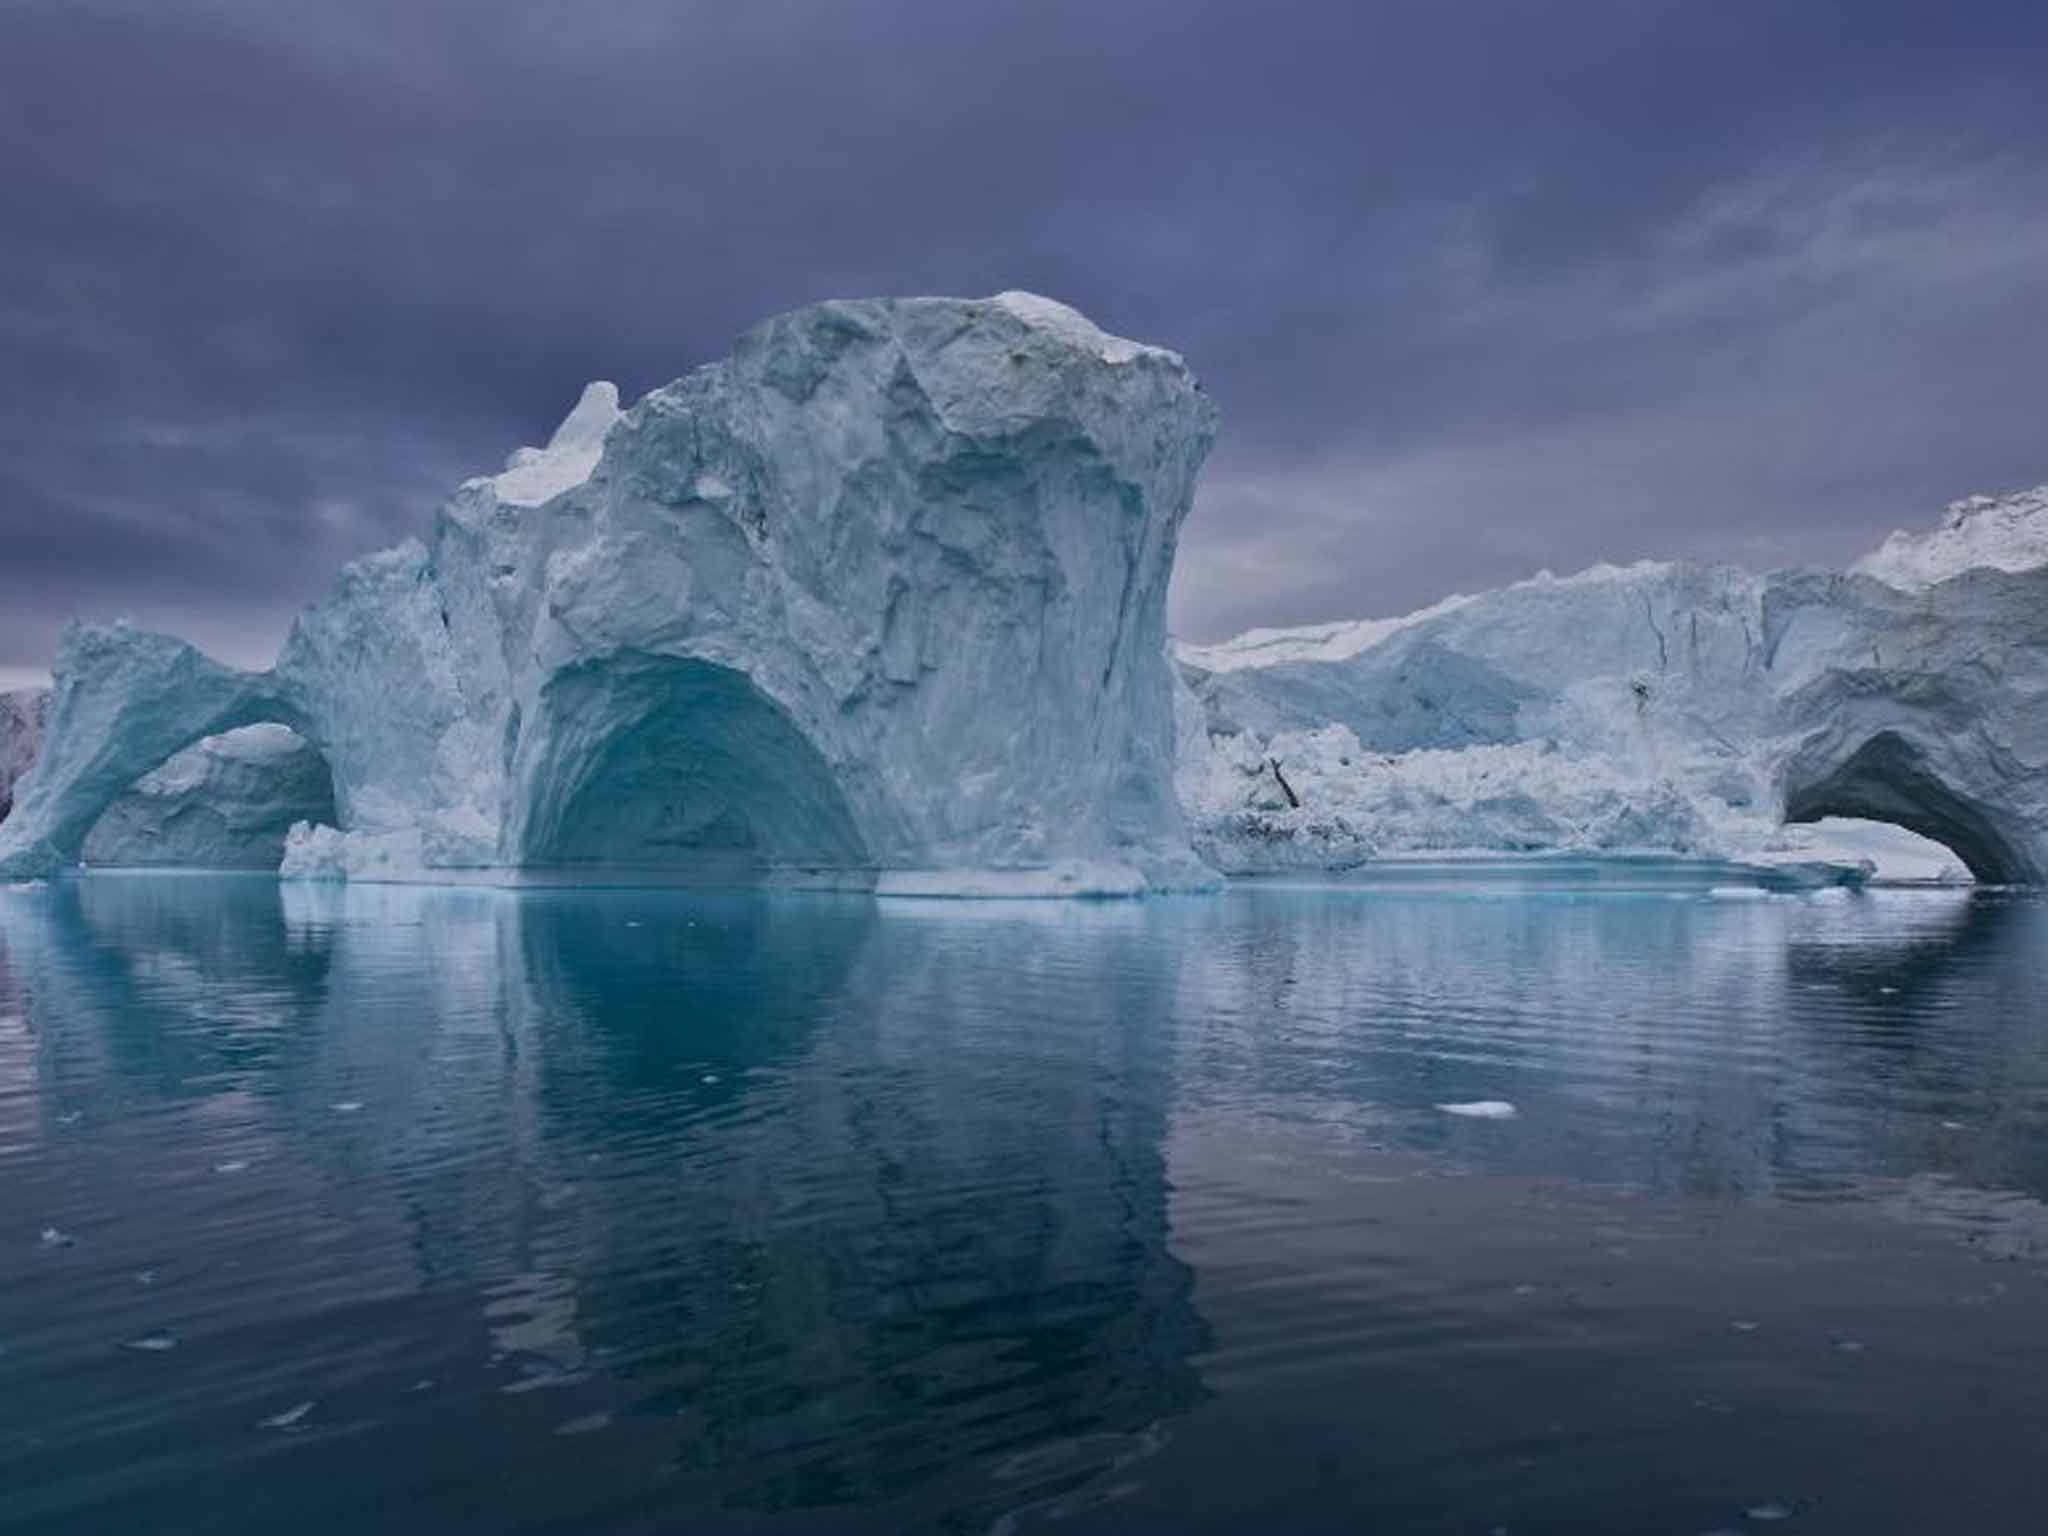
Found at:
(633, 1210)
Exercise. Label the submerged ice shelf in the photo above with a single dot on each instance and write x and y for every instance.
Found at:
(878, 603)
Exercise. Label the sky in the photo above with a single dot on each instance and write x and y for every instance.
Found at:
(1482, 287)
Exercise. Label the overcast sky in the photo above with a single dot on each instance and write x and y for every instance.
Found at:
(1480, 287)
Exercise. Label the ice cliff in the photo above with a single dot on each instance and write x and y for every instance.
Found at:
(1687, 708)
(877, 601)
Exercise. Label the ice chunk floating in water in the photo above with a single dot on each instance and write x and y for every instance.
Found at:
(877, 600)
(1481, 1109)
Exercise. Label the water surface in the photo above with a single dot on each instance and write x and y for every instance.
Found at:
(439, 1210)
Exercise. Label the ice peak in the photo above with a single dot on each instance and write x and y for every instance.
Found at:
(1072, 327)
(2007, 533)
(534, 475)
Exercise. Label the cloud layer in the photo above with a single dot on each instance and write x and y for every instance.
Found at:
(1481, 288)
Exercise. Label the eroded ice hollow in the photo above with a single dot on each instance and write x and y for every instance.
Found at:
(227, 802)
(878, 602)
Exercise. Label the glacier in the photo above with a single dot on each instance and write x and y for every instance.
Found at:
(1689, 708)
(878, 601)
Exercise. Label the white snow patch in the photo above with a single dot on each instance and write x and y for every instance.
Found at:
(1339, 641)
(1311, 642)
(2006, 533)
(534, 475)
(1073, 327)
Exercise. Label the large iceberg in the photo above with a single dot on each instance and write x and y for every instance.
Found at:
(878, 601)
(1680, 707)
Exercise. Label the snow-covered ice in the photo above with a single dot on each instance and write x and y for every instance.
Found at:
(2005, 533)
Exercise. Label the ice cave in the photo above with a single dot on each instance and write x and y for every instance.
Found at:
(1891, 781)
(670, 767)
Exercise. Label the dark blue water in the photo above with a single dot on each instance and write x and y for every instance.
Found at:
(450, 1211)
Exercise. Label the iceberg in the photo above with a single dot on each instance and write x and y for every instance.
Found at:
(1679, 707)
(877, 602)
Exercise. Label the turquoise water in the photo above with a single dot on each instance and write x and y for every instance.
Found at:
(443, 1210)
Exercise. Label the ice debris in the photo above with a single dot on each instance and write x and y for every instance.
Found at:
(291, 1417)
(1481, 1109)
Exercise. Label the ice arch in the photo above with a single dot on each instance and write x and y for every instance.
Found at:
(126, 703)
(657, 765)
(226, 802)
(1889, 777)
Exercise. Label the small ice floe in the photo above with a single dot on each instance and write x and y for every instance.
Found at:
(346, 1106)
(160, 1341)
(710, 1077)
(290, 1418)
(1745, 1325)
(1951, 1125)
(1481, 1109)
(1771, 1511)
(634, 924)
(232, 1165)
(1887, 991)
(56, 1237)
(1847, 1346)
(588, 1423)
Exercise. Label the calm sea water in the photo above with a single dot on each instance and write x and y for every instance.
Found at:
(403, 1210)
